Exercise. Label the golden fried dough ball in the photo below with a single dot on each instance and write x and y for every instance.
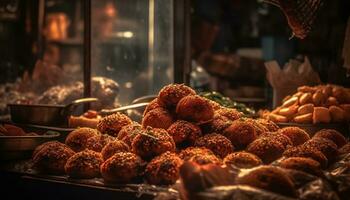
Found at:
(242, 160)
(269, 178)
(52, 158)
(344, 149)
(333, 135)
(163, 169)
(214, 104)
(46, 144)
(155, 103)
(152, 142)
(112, 124)
(266, 149)
(194, 109)
(268, 124)
(184, 133)
(223, 118)
(259, 129)
(171, 94)
(123, 167)
(129, 132)
(327, 147)
(96, 143)
(158, 118)
(219, 144)
(230, 113)
(187, 153)
(114, 147)
(77, 139)
(283, 139)
(218, 124)
(205, 159)
(307, 152)
(307, 165)
(84, 164)
(240, 133)
(297, 135)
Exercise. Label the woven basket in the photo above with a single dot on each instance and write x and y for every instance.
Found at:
(300, 14)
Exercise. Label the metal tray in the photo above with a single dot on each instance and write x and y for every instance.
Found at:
(313, 128)
(20, 147)
(42, 114)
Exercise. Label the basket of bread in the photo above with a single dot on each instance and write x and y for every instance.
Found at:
(322, 105)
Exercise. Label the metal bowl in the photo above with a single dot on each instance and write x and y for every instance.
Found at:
(21, 147)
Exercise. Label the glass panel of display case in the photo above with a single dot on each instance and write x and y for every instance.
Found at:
(132, 44)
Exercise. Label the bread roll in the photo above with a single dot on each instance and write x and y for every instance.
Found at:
(305, 98)
(75, 122)
(337, 114)
(304, 119)
(321, 115)
(306, 109)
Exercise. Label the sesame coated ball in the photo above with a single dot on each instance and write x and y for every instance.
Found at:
(163, 169)
(113, 123)
(219, 144)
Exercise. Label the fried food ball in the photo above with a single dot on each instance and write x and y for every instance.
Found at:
(184, 133)
(296, 134)
(333, 135)
(218, 124)
(96, 143)
(307, 152)
(163, 169)
(195, 109)
(219, 144)
(223, 118)
(259, 129)
(155, 103)
(52, 158)
(268, 124)
(84, 164)
(158, 118)
(344, 149)
(114, 147)
(307, 165)
(242, 160)
(152, 142)
(266, 149)
(129, 132)
(77, 139)
(123, 167)
(269, 178)
(205, 159)
(46, 144)
(214, 104)
(230, 113)
(171, 94)
(327, 147)
(283, 139)
(112, 124)
(240, 133)
(189, 152)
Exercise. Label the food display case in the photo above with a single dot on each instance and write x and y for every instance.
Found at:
(125, 99)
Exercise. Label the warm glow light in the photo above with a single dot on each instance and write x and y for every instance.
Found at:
(128, 34)
(125, 34)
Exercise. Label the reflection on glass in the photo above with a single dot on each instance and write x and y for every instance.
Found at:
(132, 44)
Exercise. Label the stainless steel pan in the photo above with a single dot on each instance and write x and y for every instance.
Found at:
(135, 106)
(42, 114)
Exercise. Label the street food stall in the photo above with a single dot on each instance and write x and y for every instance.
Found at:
(165, 99)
